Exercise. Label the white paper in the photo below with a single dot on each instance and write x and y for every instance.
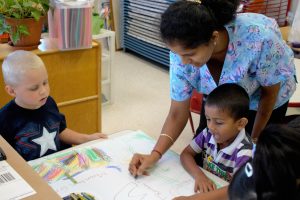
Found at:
(12, 185)
(108, 178)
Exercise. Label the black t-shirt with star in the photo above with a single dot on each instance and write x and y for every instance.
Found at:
(33, 133)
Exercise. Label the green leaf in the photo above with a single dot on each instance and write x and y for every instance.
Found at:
(16, 15)
(4, 28)
(17, 7)
(36, 14)
(45, 4)
(28, 4)
(23, 30)
(15, 37)
(24, 8)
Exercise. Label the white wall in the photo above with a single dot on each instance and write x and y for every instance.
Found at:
(294, 4)
(116, 13)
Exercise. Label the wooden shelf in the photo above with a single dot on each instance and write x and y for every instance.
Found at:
(74, 83)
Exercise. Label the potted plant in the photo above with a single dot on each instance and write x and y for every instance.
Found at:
(23, 20)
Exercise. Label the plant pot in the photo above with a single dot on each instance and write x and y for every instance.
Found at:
(34, 28)
(4, 38)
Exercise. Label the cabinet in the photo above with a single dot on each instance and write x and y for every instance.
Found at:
(107, 40)
(141, 33)
(74, 83)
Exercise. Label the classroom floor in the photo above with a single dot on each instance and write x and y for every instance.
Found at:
(141, 99)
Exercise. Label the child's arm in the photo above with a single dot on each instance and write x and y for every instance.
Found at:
(69, 136)
(202, 182)
(219, 194)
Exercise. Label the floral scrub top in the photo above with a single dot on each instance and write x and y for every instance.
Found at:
(256, 56)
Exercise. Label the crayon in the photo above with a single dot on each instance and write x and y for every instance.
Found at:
(74, 196)
(70, 159)
(81, 197)
(88, 196)
(85, 196)
(92, 155)
(67, 197)
(70, 178)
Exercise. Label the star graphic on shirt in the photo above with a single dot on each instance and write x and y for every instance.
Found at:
(46, 141)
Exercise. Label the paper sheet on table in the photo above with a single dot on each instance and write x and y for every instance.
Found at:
(101, 169)
(12, 185)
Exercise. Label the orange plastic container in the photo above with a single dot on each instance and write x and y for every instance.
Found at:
(4, 38)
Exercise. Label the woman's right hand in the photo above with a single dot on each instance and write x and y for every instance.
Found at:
(141, 162)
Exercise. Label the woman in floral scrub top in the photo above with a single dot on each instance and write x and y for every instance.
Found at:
(256, 58)
(211, 45)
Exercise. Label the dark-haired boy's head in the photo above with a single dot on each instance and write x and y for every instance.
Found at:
(226, 110)
(230, 98)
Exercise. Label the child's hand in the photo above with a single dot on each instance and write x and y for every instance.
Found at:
(204, 184)
(96, 136)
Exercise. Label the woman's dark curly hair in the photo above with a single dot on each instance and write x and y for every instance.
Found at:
(192, 24)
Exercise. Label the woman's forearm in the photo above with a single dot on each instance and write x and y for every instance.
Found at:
(173, 126)
(265, 108)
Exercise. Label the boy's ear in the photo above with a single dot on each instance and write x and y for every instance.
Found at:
(242, 123)
(10, 90)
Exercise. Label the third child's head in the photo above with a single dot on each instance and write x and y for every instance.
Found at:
(274, 171)
(226, 110)
(26, 79)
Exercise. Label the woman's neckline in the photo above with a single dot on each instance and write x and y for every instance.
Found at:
(222, 46)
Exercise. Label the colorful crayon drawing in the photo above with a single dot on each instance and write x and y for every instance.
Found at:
(67, 165)
(101, 169)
